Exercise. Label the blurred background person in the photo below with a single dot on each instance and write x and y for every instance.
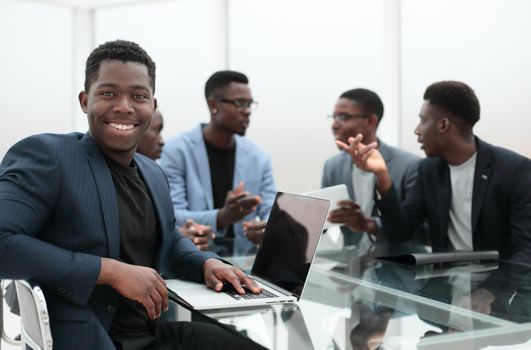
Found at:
(218, 176)
(151, 146)
(152, 142)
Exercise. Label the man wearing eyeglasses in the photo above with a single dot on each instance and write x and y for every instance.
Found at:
(217, 176)
(359, 111)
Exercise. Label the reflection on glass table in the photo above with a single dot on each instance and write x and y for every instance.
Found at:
(471, 305)
(355, 301)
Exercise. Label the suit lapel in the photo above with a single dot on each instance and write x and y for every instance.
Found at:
(481, 180)
(387, 156)
(107, 194)
(384, 151)
(202, 166)
(239, 164)
(346, 173)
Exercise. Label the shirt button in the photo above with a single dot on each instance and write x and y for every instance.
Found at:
(111, 309)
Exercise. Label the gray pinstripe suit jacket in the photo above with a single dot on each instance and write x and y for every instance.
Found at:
(58, 216)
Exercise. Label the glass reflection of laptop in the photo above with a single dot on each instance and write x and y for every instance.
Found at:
(282, 262)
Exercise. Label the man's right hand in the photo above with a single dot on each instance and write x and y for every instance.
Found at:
(350, 214)
(254, 231)
(138, 283)
(238, 204)
(198, 234)
(368, 158)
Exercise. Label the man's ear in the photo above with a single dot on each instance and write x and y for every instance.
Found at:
(155, 103)
(444, 124)
(83, 100)
(212, 106)
(373, 121)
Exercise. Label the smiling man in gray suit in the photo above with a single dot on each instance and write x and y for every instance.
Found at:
(359, 111)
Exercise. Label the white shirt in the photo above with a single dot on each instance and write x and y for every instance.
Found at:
(363, 183)
(460, 225)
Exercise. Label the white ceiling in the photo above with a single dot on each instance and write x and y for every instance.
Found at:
(89, 4)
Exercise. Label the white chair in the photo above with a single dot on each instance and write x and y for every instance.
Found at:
(7, 339)
(35, 322)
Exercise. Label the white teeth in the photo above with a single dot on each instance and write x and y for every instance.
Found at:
(122, 126)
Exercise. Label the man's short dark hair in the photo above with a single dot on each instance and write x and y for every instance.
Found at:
(223, 78)
(121, 50)
(455, 97)
(369, 101)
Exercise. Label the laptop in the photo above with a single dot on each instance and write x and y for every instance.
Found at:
(282, 262)
(334, 194)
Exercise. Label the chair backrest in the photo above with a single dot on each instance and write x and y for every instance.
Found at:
(7, 339)
(34, 318)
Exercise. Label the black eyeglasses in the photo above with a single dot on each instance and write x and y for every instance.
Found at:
(240, 103)
(344, 117)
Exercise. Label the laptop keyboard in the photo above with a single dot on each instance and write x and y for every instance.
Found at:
(229, 289)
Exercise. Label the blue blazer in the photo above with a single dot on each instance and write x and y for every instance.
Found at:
(185, 161)
(501, 204)
(58, 216)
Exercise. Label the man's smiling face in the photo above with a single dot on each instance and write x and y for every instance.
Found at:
(119, 107)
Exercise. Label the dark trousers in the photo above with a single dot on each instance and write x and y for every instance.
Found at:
(187, 336)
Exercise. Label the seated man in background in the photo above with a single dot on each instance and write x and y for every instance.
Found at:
(217, 176)
(92, 222)
(475, 196)
(151, 145)
(359, 111)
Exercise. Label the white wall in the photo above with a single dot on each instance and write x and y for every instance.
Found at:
(182, 37)
(299, 55)
(35, 70)
(298, 65)
(485, 43)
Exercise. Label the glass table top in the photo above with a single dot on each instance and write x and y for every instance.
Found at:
(353, 300)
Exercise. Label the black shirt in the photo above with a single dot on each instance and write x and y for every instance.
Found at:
(221, 162)
(139, 241)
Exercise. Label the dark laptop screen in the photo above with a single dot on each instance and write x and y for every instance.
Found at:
(290, 240)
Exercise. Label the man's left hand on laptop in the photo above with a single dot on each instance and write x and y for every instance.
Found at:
(217, 272)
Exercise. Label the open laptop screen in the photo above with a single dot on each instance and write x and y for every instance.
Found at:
(290, 240)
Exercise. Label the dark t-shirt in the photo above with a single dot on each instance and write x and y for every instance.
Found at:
(221, 162)
(139, 241)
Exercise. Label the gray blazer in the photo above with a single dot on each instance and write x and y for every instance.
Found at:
(402, 168)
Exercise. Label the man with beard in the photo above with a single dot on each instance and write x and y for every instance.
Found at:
(359, 111)
(217, 176)
(475, 196)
